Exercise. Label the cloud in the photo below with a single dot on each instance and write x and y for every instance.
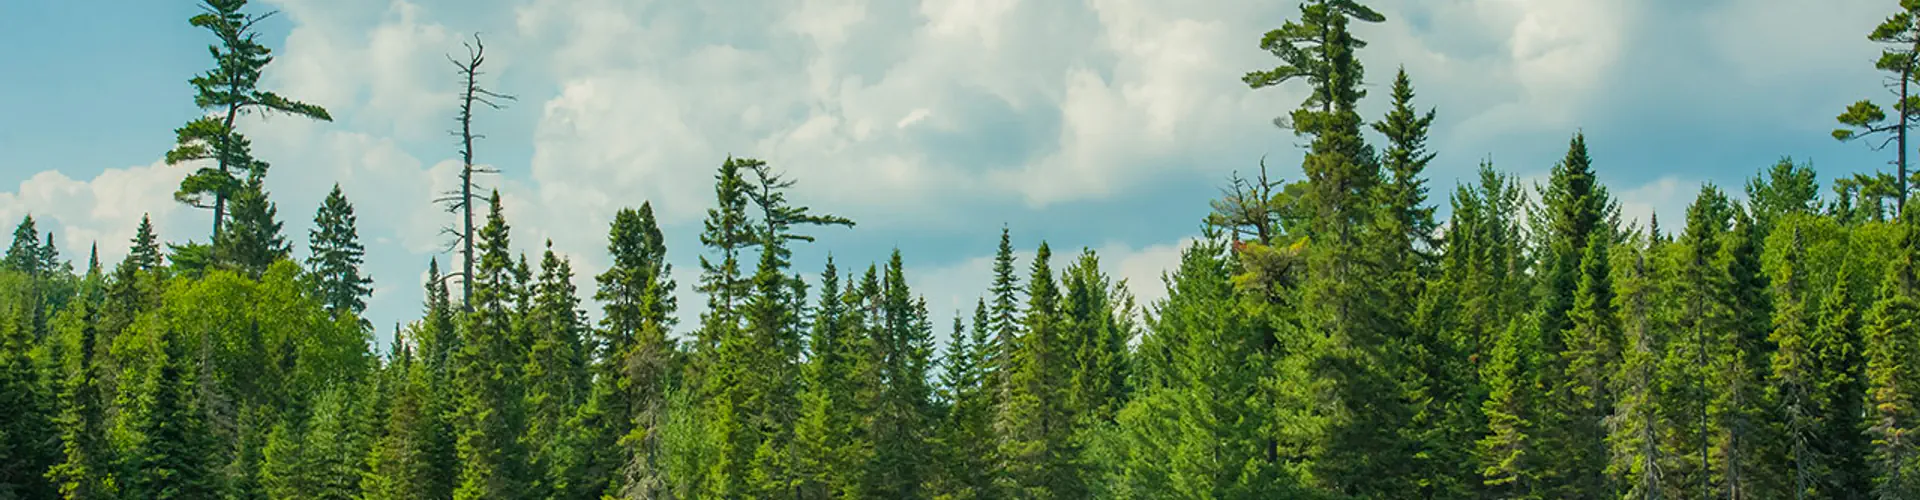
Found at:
(105, 209)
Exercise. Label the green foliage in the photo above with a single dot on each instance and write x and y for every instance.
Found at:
(337, 256)
(230, 88)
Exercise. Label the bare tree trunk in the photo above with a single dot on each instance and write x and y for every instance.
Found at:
(462, 201)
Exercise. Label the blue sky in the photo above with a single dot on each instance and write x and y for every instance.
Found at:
(1105, 124)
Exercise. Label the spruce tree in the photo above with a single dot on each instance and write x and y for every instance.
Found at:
(252, 240)
(85, 470)
(488, 416)
(1892, 373)
(631, 362)
(27, 437)
(337, 256)
(555, 377)
(1005, 291)
(229, 90)
(1035, 431)
(171, 451)
(1635, 424)
(902, 441)
(1592, 351)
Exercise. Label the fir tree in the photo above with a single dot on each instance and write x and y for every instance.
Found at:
(488, 417)
(902, 453)
(1892, 373)
(555, 376)
(1635, 424)
(337, 256)
(171, 451)
(1034, 426)
(252, 241)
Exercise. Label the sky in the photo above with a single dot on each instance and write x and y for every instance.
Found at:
(1095, 124)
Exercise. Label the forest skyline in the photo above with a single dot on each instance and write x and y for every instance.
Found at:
(388, 140)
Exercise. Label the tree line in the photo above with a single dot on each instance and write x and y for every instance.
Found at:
(1324, 338)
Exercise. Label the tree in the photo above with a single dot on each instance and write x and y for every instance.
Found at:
(461, 201)
(171, 451)
(901, 423)
(489, 417)
(253, 241)
(1900, 33)
(1786, 188)
(85, 469)
(1035, 431)
(337, 256)
(1006, 319)
(632, 369)
(965, 436)
(230, 90)
(28, 431)
(1636, 427)
(1893, 373)
(555, 376)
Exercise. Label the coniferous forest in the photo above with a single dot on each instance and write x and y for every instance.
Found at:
(1327, 337)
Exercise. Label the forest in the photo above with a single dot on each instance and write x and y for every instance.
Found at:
(1330, 337)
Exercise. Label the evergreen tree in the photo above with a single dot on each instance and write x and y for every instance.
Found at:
(488, 416)
(1035, 431)
(1592, 353)
(1695, 354)
(1635, 424)
(1787, 188)
(24, 254)
(337, 256)
(171, 450)
(85, 471)
(1892, 373)
(1510, 455)
(230, 90)
(1005, 291)
(555, 376)
(27, 446)
(631, 370)
(901, 423)
(1900, 33)
(252, 240)
(1839, 349)
(966, 433)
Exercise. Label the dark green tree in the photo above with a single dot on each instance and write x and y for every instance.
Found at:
(337, 256)
(1900, 34)
(252, 241)
(229, 90)
(488, 417)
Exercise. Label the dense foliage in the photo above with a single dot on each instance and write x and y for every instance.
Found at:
(1326, 338)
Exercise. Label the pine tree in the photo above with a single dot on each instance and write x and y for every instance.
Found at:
(24, 254)
(488, 416)
(400, 464)
(1900, 33)
(1787, 188)
(1592, 352)
(230, 89)
(337, 256)
(1510, 454)
(1697, 349)
(1094, 343)
(1793, 374)
(1838, 347)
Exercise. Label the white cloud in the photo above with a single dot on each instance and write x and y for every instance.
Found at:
(105, 209)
